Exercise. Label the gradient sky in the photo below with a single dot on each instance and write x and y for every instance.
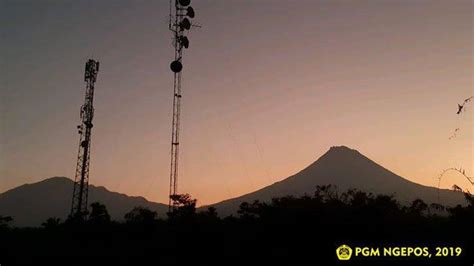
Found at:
(268, 87)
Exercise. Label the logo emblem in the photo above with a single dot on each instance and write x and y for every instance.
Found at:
(344, 252)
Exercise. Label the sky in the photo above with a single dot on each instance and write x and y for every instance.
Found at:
(268, 87)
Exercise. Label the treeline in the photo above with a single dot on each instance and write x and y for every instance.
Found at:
(289, 230)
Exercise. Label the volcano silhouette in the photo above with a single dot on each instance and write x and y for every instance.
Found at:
(347, 169)
(32, 204)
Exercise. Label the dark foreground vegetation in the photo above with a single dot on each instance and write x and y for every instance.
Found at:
(291, 231)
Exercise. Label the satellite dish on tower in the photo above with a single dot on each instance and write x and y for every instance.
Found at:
(176, 66)
(184, 41)
(179, 21)
(185, 24)
(190, 12)
(184, 2)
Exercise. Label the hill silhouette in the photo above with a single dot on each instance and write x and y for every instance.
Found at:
(289, 230)
(32, 204)
(345, 168)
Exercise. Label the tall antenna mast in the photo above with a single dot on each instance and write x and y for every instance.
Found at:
(178, 23)
(81, 181)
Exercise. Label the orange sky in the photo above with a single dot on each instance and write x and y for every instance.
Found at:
(268, 87)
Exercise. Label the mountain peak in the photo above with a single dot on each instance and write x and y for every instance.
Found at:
(339, 152)
(341, 149)
(57, 179)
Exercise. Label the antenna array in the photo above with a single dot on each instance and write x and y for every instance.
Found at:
(81, 180)
(178, 23)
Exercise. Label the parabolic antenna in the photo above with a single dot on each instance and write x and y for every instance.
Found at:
(190, 12)
(176, 66)
(185, 24)
(184, 41)
(184, 2)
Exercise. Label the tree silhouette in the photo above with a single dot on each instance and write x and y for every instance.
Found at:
(5, 222)
(211, 212)
(418, 207)
(98, 214)
(464, 216)
(461, 106)
(209, 216)
(273, 232)
(186, 207)
(435, 208)
(51, 223)
(140, 215)
(76, 218)
(250, 211)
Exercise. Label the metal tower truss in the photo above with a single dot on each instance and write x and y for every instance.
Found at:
(81, 180)
(178, 23)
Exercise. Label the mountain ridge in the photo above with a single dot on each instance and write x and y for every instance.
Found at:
(55, 193)
(341, 166)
